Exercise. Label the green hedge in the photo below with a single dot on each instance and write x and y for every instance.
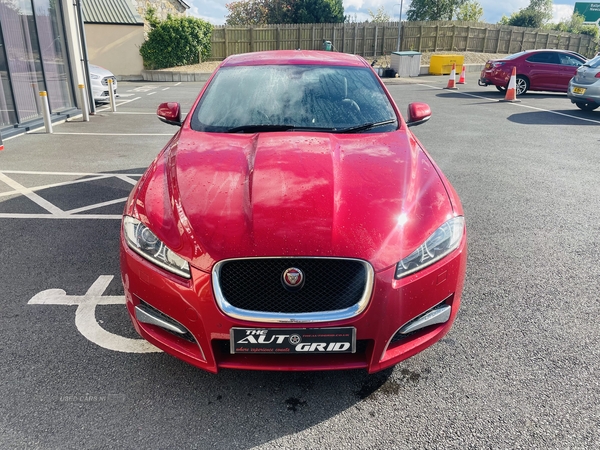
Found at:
(177, 41)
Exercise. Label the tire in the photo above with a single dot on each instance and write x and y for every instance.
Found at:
(501, 89)
(522, 84)
(587, 106)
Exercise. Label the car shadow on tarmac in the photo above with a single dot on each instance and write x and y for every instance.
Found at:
(557, 117)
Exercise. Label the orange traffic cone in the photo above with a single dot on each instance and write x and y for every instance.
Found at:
(511, 90)
(452, 79)
(461, 80)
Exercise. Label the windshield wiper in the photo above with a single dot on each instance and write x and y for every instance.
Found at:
(366, 126)
(259, 128)
(269, 127)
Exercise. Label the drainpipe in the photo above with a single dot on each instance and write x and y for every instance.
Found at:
(86, 67)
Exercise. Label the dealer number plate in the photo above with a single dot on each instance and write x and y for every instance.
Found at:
(578, 90)
(293, 340)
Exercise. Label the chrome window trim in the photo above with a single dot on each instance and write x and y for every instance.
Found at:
(313, 317)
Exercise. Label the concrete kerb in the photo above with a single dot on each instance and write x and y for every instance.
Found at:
(174, 76)
(177, 76)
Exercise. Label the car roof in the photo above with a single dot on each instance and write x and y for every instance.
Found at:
(557, 50)
(293, 57)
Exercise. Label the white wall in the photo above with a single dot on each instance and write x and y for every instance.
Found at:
(116, 48)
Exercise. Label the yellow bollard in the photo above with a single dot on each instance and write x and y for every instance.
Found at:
(84, 103)
(111, 95)
(46, 111)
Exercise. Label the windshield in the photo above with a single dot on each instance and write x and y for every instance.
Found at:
(289, 97)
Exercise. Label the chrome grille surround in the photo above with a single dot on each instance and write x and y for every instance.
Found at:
(294, 317)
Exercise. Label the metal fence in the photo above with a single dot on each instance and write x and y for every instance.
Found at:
(373, 39)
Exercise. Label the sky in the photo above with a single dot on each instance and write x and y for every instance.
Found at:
(214, 11)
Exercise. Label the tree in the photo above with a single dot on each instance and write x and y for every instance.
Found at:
(575, 25)
(570, 25)
(176, 41)
(543, 8)
(433, 9)
(244, 12)
(151, 18)
(536, 15)
(380, 16)
(256, 12)
(470, 11)
(316, 11)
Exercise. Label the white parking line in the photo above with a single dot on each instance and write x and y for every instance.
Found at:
(177, 84)
(69, 217)
(53, 211)
(53, 185)
(491, 100)
(119, 134)
(151, 93)
(135, 113)
(79, 174)
(119, 104)
(97, 205)
(145, 88)
(127, 179)
(19, 188)
(166, 88)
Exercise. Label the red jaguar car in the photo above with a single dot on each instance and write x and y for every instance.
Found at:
(537, 70)
(293, 222)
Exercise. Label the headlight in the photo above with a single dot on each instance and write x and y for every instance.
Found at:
(145, 243)
(443, 241)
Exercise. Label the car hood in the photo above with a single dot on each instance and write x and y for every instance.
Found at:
(212, 196)
(100, 71)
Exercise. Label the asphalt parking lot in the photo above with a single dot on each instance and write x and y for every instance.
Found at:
(518, 369)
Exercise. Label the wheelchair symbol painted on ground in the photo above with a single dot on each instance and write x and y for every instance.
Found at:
(85, 316)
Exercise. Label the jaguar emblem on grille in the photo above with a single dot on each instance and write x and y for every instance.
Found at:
(293, 278)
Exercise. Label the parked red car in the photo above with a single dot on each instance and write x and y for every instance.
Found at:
(537, 70)
(293, 222)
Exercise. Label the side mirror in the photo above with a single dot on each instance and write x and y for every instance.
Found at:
(418, 113)
(169, 113)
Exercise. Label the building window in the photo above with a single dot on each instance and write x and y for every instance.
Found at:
(54, 54)
(8, 115)
(36, 58)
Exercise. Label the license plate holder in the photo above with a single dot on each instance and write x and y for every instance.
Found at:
(292, 340)
(578, 90)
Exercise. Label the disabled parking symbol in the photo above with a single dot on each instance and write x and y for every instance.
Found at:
(85, 316)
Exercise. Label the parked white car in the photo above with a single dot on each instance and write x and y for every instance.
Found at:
(99, 78)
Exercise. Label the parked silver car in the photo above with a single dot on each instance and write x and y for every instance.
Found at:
(99, 77)
(584, 87)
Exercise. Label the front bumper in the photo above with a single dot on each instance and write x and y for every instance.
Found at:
(201, 330)
(101, 94)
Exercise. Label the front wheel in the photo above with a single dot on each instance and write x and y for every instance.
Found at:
(522, 84)
(501, 89)
(587, 106)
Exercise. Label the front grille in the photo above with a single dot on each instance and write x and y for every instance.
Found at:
(330, 284)
(105, 81)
